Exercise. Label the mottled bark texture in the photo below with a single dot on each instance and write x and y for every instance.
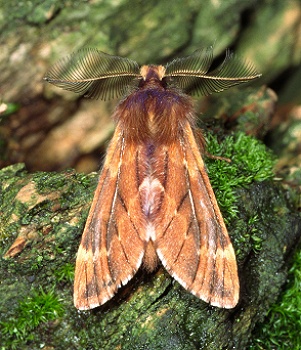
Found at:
(43, 212)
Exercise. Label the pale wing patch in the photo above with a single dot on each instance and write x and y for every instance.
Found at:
(151, 191)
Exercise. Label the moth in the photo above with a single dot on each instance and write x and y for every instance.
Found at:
(153, 201)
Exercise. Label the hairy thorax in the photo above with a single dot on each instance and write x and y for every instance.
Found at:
(154, 112)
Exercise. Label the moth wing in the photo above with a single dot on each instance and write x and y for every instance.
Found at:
(107, 257)
(192, 241)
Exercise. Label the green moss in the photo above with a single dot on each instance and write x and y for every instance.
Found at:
(254, 233)
(250, 161)
(282, 327)
(45, 181)
(35, 310)
(65, 273)
(10, 184)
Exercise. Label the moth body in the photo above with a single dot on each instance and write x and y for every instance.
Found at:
(153, 201)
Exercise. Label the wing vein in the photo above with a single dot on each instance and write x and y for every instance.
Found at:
(183, 243)
(177, 210)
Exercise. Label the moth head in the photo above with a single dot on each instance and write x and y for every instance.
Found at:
(152, 72)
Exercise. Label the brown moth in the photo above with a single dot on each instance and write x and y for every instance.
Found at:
(154, 200)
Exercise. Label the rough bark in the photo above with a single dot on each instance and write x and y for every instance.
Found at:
(43, 213)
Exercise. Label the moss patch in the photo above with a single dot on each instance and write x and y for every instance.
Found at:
(250, 161)
(33, 312)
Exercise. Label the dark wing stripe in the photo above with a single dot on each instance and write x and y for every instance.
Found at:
(181, 248)
(166, 163)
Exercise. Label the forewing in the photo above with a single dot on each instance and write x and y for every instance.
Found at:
(112, 246)
(192, 241)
